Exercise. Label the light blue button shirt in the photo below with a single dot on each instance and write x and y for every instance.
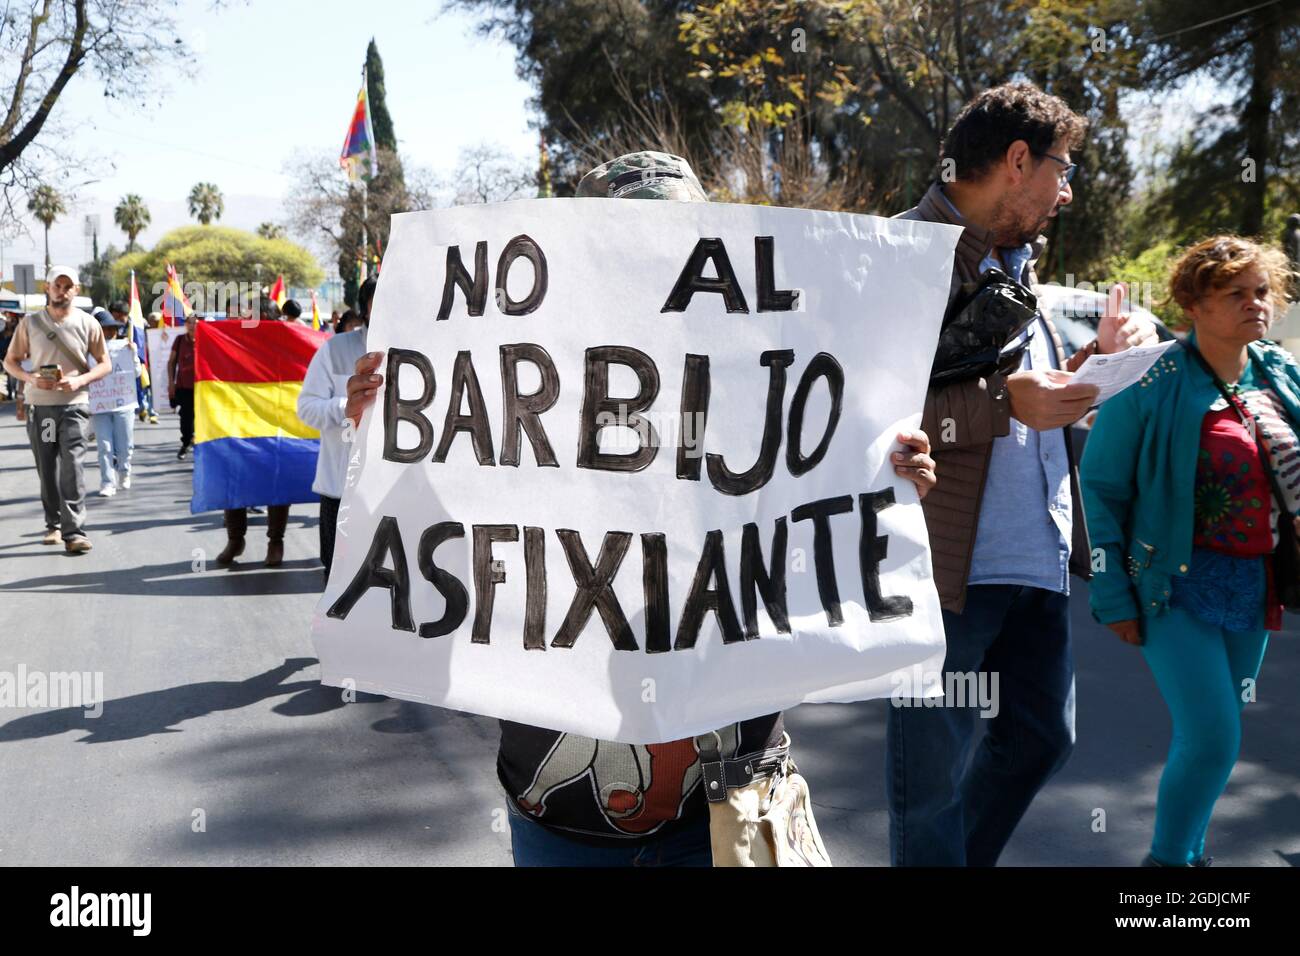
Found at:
(1026, 513)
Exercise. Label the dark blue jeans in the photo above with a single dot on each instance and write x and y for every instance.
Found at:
(534, 845)
(947, 805)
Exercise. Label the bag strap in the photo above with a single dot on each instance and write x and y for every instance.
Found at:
(721, 775)
(1246, 420)
(52, 333)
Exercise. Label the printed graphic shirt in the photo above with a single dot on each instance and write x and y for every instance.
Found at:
(598, 791)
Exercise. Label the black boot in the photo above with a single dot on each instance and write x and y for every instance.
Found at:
(236, 530)
(277, 519)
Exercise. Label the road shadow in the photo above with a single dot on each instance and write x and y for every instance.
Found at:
(325, 793)
(159, 711)
(181, 579)
(321, 699)
(1123, 734)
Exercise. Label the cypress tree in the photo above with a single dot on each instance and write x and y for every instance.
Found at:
(386, 192)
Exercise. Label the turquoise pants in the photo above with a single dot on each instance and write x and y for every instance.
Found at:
(1199, 669)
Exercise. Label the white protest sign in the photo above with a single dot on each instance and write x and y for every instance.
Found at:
(161, 341)
(116, 390)
(632, 480)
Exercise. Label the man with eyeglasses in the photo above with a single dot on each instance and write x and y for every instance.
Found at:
(1006, 524)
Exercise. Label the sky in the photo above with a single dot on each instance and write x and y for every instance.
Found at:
(240, 110)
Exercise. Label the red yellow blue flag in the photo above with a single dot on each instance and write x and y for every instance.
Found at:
(250, 447)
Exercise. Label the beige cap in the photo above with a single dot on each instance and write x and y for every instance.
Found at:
(56, 271)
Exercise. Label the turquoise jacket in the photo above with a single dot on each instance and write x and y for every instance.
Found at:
(1139, 477)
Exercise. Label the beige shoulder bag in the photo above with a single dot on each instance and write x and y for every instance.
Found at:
(760, 809)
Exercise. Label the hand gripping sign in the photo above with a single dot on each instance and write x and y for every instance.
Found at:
(628, 473)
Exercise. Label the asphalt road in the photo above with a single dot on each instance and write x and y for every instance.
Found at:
(217, 744)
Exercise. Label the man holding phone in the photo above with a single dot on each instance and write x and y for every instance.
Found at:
(59, 340)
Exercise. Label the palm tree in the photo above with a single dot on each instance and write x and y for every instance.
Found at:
(269, 230)
(132, 217)
(46, 205)
(206, 203)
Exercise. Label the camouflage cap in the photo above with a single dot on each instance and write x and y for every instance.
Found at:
(644, 175)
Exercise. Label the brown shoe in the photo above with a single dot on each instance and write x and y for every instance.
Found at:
(52, 536)
(274, 553)
(77, 544)
(234, 548)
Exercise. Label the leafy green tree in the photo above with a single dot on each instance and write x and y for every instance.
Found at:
(97, 277)
(1222, 177)
(379, 116)
(1150, 269)
(874, 85)
(46, 205)
(219, 255)
(384, 195)
(132, 217)
(269, 230)
(325, 209)
(123, 46)
(596, 64)
(206, 202)
(830, 103)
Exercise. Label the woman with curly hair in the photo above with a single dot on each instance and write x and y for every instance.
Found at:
(1182, 478)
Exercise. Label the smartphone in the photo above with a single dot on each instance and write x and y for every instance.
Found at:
(52, 372)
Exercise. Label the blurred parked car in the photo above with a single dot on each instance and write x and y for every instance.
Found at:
(1077, 312)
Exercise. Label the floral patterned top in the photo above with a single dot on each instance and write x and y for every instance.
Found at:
(1234, 502)
(1235, 508)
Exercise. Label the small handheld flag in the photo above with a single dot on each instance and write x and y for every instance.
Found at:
(315, 312)
(278, 295)
(135, 316)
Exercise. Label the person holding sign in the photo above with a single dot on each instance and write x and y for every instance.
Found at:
(57, 340)
(1192, 483)
(135, 331)
(579, 801)
(112, 408)
(1005, 525)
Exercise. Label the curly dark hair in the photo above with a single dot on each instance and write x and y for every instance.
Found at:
(992, 121)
